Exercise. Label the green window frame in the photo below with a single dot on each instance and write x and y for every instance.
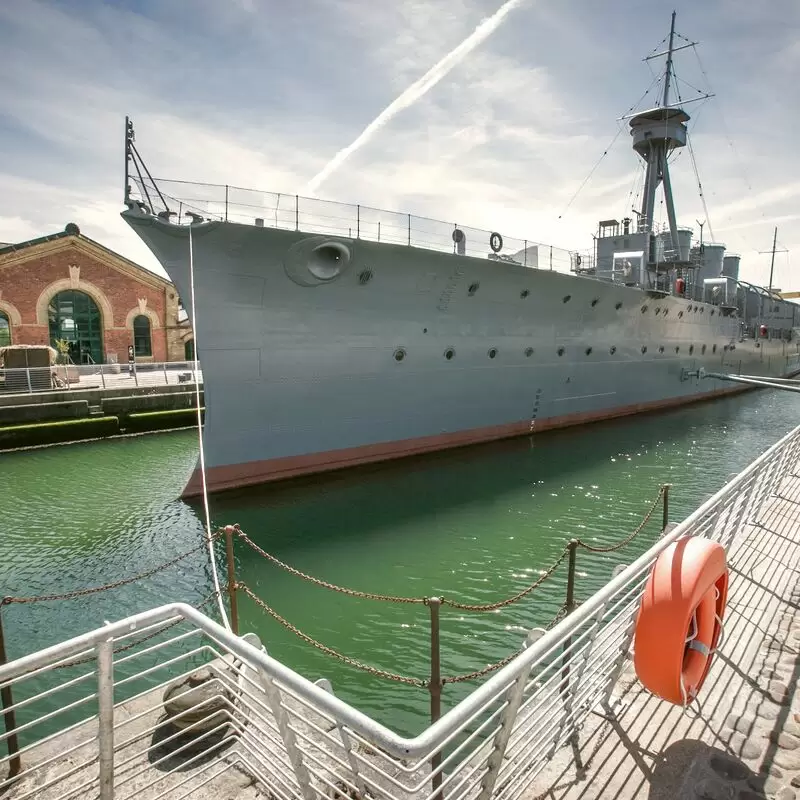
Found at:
(142, 338)
(5, 329)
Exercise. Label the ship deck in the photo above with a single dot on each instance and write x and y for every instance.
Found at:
(743, 738)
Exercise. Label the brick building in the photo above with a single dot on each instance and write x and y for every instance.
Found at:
(69, 288)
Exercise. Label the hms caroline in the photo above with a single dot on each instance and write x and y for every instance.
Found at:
(334, 335)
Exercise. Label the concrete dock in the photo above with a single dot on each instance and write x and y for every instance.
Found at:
(741, 741)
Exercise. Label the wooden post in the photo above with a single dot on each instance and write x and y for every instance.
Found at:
(435, 688)
(229, 531)
(9, 717)
(665, 515)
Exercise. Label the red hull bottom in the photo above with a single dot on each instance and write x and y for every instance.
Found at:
(252, 473)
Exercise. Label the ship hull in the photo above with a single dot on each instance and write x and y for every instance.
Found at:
(393, 351)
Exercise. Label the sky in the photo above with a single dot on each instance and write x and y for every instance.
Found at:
(265, 93)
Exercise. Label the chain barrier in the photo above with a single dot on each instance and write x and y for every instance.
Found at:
(518, 596)
(113, 585)
(381, 673)
(136, 643)
(445, 601)
(629, 539)
(318, 582)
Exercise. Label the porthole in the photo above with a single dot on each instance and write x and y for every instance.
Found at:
(612, 349)
(702, 309)
(677, 348)
(644, 349)
(364, 276)
(566, 298)
(524, 293)
(588, 351)
(618, 306)
(528, 352)
(492, 352)
(399, 354)
(661, 348)
(561, 351)
(680, 313)
(691, 349)
(689, 309)
(595, 301)
(714, 349)
(703, 349)
(713, 312)
(473, 287)
(666, 311)
(658, 310)
(695, 309)
(424, 330)
(644, 308)
(449, 353)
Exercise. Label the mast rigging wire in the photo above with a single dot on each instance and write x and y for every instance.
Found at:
(211, 556)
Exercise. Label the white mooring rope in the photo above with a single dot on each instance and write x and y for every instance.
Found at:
(211, 555)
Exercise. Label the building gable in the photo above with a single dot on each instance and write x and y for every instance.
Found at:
(82, 245)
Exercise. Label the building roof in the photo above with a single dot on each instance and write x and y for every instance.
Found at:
(72, 233)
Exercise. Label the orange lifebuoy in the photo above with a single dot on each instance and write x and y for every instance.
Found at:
(680, 619)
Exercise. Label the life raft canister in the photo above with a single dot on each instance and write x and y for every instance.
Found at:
(680, 619)
(763, 331)
(680, 286)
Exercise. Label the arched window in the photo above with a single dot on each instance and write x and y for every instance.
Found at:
(75, 318)
(5, 329)
(142, 343)
(188, 350)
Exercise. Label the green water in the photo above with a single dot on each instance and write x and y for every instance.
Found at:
(475, 525)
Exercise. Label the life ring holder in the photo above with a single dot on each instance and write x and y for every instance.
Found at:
(495, 242)
(679, 625)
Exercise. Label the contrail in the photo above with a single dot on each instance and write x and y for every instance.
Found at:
(417, 90)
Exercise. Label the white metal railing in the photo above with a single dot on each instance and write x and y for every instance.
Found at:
(76, 377)
(295, 737)
(312, 215)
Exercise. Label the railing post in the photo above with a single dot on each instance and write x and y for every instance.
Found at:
(166, 376)
(102, 377)
(9, 717)
(435, 687)
(358, 222)
(525, 254)
(409, 230)
(516, 694)
(551, 256)
(105, 703)
(297, 212)
(229, 531)
(28, 376)
(665, 514)
(226, 202)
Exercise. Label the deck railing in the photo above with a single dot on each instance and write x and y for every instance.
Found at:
(296, 739)
(312, 215)
(76, 377)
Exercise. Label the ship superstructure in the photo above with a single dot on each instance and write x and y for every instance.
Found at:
(334, 335)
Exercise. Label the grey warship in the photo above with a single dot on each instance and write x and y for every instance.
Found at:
(332, 335)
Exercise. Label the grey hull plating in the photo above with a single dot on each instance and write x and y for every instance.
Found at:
(296, 367)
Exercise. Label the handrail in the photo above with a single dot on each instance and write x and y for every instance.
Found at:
(440, 732)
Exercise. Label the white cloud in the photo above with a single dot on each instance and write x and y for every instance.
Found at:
(263, 94)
